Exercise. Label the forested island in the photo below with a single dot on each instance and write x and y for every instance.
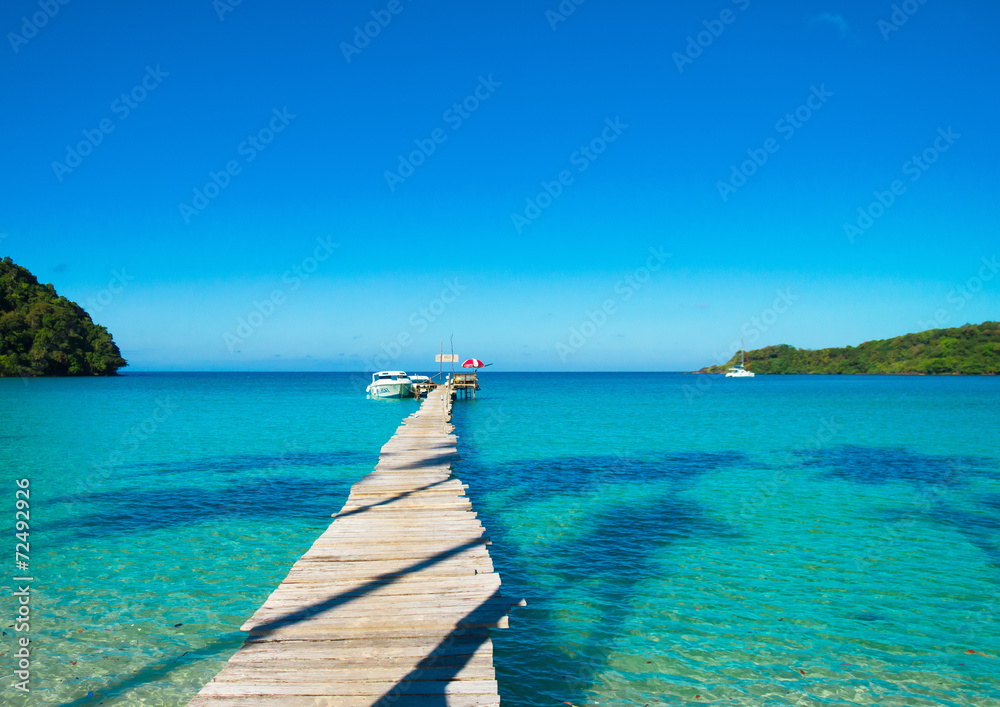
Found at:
(43, 334)
(973, 349)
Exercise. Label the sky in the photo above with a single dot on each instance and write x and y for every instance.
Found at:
(572, 186)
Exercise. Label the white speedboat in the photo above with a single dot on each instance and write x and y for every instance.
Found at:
(390, 384)
(421, 385)
(740, 371)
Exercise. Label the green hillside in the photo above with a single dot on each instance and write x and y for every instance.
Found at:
(43, 334)
(973, 349)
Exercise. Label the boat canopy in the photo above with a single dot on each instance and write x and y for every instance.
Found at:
(388, 375)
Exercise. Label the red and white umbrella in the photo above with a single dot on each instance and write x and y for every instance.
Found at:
(473, 363)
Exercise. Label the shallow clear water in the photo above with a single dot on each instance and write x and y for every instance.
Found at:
(775, 541)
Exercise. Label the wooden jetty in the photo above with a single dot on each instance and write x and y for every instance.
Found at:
(460, 383)
(392, 605)
(422, 389)
(465, 384)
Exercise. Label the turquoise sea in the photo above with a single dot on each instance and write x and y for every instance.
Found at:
(786, 540)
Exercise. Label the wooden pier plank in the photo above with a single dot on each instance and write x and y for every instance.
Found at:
(395, 599)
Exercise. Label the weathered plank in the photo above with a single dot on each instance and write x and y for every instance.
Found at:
(375, 689)
(430, 637)
(405, 653)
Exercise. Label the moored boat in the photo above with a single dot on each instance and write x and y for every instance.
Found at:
(390, 384)
(740, 371)
(421, 385)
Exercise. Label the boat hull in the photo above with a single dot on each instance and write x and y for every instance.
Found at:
(390, 390)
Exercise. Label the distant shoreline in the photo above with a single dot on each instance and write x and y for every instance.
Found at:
(972, 350)
(704, 372)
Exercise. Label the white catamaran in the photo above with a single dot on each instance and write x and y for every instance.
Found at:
(740, 371)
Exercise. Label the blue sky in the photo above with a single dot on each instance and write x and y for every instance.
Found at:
(733, 139)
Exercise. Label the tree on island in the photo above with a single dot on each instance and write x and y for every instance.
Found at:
(43, 334)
